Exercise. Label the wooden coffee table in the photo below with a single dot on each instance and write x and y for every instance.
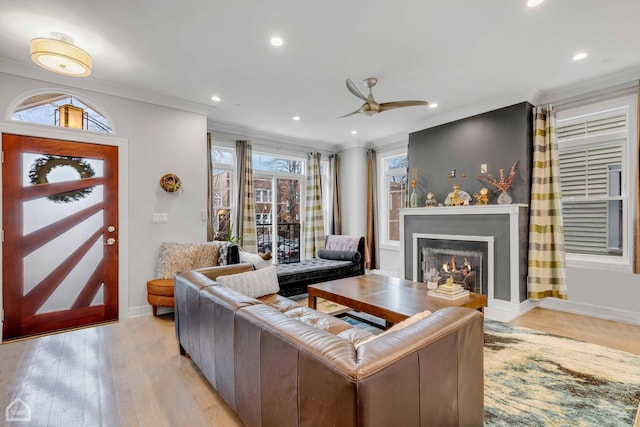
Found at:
(388, 298)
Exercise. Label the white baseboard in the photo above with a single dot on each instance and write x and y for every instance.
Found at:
(146, 310)
(505, 311)
(142, 310)
(591, 310)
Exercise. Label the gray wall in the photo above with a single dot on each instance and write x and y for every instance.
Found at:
(497, 138)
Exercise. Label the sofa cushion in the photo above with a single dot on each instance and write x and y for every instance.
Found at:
(318, 320)
(176, 257)
(352, 256)
(256, 260)
(253, 283)
(279, 302)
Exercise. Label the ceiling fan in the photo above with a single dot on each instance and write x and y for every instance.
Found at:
(370, 106)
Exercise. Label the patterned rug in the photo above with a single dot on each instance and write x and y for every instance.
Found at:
(536, 379)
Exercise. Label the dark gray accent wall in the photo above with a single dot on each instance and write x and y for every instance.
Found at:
(497, 138)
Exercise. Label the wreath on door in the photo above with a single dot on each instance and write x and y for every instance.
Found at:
(43, 165)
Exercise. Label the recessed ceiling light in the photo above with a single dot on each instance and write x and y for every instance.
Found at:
(276, 41)
(432, 105)
(579, 56)
(534, 3)
(296, 118)
(354, 132)
(215, 98)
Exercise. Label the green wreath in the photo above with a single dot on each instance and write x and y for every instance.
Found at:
(42, 166)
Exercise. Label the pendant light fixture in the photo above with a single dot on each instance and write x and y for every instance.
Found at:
(71, 116)
(60, 55)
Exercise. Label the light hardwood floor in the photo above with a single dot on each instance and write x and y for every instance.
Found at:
(130, 373)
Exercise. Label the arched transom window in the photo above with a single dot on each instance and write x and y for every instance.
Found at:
(59, 109)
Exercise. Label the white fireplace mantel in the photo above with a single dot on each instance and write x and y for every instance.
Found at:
(511, 308)
(465, 210)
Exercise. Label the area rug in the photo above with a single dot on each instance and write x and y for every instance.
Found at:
(536, 379)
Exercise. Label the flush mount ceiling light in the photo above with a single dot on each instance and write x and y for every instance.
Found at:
(276, 41)
(534, 3)
(60, 55)
(215, 98)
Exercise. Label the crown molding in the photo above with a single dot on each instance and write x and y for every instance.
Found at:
(231, 132)
(34, 72)
(621, 80)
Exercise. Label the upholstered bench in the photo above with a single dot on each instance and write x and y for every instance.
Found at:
(176, 257)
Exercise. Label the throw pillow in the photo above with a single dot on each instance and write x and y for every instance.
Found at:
(255, 259)
(339, 255)
(253, 284)
(398, 326)
(175, 257)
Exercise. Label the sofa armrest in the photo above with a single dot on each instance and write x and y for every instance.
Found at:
(431, 365)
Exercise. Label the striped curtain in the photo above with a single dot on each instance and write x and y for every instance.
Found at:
(246, 215)
(314, 221)
(371, 240)
(336, 219)
(547, 275)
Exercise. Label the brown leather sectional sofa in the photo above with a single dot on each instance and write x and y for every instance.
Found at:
(279, 364)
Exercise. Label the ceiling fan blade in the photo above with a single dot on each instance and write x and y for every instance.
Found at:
(359, 110)
(399, 104)
(354, 90)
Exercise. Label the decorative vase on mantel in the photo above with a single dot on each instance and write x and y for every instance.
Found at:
(504, 198)
(413, 201)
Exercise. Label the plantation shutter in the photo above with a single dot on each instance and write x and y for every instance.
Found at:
(590, 182)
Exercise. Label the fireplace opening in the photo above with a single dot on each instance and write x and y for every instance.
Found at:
(464, 261)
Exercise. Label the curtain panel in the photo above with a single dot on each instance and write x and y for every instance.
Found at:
(547, 265)
(334, 191)
(246, 215)
(371, 244)
(314, 220)
(210, 213)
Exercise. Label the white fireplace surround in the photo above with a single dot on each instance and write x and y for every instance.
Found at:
(497, 309)
(490, 257)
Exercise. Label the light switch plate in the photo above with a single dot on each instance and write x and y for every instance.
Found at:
(160, 217)
(483, 168)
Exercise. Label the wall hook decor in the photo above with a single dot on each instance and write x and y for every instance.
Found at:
(170, 183)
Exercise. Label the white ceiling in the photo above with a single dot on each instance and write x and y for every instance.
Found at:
(461, 54)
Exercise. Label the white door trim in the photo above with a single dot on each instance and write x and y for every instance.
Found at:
(42, 131)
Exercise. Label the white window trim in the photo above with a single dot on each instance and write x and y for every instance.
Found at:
(274, 176)
(629, 191)
(383, 199)
(230, 167)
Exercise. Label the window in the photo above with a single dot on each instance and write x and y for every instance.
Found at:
(47, 109)
(595, 169)
(223, 162)
(282, 177)
(393, 194)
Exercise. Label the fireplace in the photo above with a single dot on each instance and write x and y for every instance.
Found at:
(466, 259)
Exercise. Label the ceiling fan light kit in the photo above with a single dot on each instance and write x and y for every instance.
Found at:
(371, 106)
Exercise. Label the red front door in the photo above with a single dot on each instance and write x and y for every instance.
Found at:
(60, 248)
